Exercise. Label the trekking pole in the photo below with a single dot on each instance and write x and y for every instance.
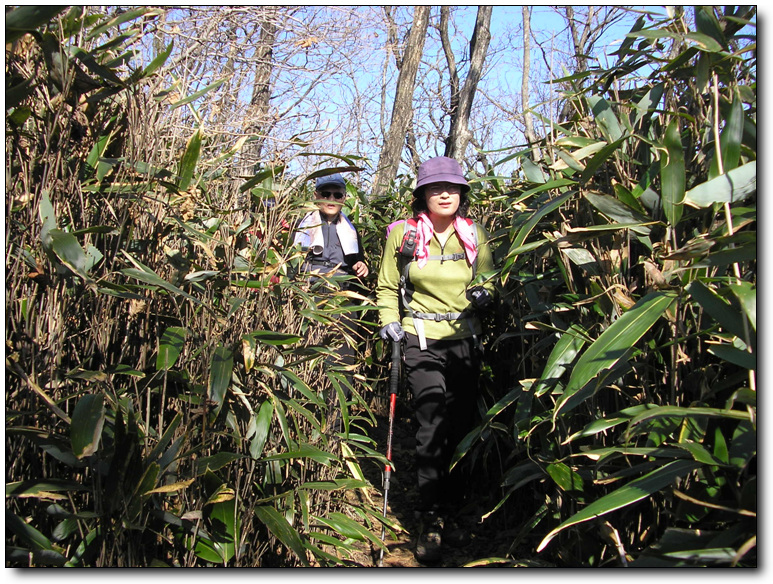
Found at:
(394, 381)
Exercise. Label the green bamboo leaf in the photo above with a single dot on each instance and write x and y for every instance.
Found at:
(270, 172)
(349, 528)
(170, 345)
(147, 482)
(70, 252)
(747, 294)
(301, 385)
(86, 426)
(275, 339)
(201, 275)
(743, 444)
(262, 424)
(16, 94)
(28, 534)
(672, 174)
(335, 485)
(354, 467)
(158, 62)
(609, 421)
(730, 140)
(331, 541)
(473, 435)
(686, 548)
(282, 419)
(649, 103)
(121, 18)
(332, 170)
(583, 259)
(522, 473)
(207, 550)
(618, 212)
(282, 530)
(216, 461)
(610, 347)
(566, 479)
(731, 187)
(546, 209)
(691, 412)
(699, 453)
(226, 517)
(606, 119)
(632, 492)
(189, 160)
(579, 142)
(600, 158)
(745, 252)
(155, 280)
(41, 487)
(704, 42)
(98, 150)
(198, 94)
(305, 450)
(720, 446)
(220, 372)
(653, 34)
(734, 355)
(569, 161)
(707, 24)
(599, 454)
(166, 438)
(728, 316)
(24, 19)
(303, 411)
(533, 172)
(88, 60)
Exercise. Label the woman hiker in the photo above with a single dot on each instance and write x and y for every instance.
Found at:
(430, 307)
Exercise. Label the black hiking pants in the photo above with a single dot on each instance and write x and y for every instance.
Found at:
(443, 380)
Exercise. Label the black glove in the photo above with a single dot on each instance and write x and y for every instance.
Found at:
(479, 296)
(393, 331)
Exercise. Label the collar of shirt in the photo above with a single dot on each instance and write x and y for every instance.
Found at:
(336, 220)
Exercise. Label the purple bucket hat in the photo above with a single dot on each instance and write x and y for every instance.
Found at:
(440, 169)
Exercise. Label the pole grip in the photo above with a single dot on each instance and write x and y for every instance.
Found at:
(394, 380)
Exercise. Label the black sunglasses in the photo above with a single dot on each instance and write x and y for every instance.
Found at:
(326, 195)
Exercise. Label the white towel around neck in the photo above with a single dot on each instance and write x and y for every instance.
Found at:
(309, 234)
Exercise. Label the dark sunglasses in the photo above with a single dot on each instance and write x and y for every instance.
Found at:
(326, 195)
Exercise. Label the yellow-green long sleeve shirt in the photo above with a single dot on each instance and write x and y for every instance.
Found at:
(438, 287)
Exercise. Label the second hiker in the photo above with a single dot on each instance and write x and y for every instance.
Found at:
(334, 259)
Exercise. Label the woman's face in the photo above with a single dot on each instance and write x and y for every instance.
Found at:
(442, 198)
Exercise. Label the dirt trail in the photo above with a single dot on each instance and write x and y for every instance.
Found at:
(486, 540)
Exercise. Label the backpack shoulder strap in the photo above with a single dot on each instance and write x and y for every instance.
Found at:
(407, 247)
(474, 225)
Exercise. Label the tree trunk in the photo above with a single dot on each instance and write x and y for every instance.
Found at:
(531, 137)
(258, 120)
(402, 109)
(459, 135)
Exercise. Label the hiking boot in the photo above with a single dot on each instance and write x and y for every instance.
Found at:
(430, 539)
